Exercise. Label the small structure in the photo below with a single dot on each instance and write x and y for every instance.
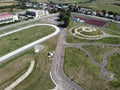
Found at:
(50, 54)
(36, 13)
(37, 48)
(108, 75)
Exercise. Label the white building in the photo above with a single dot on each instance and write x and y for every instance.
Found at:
(7, 17)
(36, 13)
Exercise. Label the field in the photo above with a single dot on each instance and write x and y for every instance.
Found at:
(78, 67)
(19, 25)
(11, 70)
(39, 79)
(62, 1)
(7, 2)
(8, 6)
(104, 5)
(84, 73)
(113, 65)
(16, 40)
(99, 51)
(114, 26)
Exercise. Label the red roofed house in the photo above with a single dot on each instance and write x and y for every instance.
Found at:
(7, 17)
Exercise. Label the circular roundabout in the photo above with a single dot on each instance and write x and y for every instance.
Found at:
(86, 32)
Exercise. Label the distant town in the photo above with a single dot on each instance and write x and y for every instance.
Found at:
(38, 9)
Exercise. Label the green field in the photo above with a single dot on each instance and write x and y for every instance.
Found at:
(78, 67)
(94, 33)
(114, 26)
(103, 5)
(39, 79)
(20, 25)
(16, 40)
(114, 66)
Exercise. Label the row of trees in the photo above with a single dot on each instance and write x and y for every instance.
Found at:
(65, 17)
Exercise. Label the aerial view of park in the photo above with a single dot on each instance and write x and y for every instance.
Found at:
(59, 44)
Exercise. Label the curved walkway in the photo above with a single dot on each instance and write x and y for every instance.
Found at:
(87, 37)
(57, 74)
(7, 56)
(20, 79)
(91, 58)
(104, 63)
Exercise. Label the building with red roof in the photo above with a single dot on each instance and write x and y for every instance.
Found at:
(7, 17)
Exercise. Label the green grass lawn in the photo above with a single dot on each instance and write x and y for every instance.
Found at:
(114, 26)
(103, 5)
(112, 8)
(20, 25)
(114, 66)
(16, 40)
(78, 67)
(94, 33)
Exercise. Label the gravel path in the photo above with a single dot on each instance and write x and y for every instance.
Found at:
(91, 58)
(20, 79)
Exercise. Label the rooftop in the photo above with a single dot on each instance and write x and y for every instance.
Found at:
(3, 15)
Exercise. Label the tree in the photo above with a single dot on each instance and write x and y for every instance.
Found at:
(66, 20)
(65, 17)
(61, 15)
(68, 13)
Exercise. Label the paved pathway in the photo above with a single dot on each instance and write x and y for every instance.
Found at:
(57, 73)
(20, 79)
(91, 58)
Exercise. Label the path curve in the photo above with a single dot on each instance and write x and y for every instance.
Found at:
(91, 58)
(21, 78)
(7, 56)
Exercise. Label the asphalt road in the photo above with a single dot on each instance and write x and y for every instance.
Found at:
(57, 65)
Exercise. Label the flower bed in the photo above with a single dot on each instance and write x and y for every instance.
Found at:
(89, 21)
